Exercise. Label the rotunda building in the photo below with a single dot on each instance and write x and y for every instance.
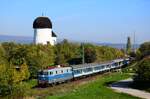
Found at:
(43, 33)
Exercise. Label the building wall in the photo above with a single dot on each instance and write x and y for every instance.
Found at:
(42, 36)
(53, 41)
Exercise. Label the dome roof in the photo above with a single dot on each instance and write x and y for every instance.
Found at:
(42, 22)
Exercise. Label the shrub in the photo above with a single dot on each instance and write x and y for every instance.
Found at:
(15, 90)
(4, 90)
(20, 90)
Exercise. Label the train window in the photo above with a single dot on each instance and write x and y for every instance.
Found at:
(50, 73)
(80, 70)
(67, 70)
(77, 71)
(61, 71)
(56, 72)
(84, 70)
(40, 72)
(103, 67)
(89, 69)
(97, 68)
(107, 66)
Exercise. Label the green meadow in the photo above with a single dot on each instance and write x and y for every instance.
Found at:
(97, 89)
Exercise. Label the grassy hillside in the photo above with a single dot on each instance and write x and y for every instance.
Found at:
(96, 89)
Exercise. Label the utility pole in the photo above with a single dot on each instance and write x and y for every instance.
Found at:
(83, 60)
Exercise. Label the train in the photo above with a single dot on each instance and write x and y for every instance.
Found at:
(58, 74)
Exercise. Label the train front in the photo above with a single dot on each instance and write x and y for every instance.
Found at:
(43, 77)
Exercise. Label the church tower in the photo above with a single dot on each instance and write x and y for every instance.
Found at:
(43, 33)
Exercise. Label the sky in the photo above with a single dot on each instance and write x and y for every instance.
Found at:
(101, 21)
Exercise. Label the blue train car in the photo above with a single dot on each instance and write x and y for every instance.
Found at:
(54, 75)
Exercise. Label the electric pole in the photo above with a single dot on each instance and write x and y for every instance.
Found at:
(82, 44)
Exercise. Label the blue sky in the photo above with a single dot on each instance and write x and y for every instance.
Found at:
(80, 20)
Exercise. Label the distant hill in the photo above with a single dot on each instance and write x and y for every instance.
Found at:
(17, 39)
(119, 46)
(28, 40)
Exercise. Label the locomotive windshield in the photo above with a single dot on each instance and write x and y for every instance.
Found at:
(43, 73)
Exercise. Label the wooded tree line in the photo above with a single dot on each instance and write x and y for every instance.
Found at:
(143, 67)
(20, 62)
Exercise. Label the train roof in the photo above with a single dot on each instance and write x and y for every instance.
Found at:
(95, 64)
(85, 65)
(54, 68)
(118, 60)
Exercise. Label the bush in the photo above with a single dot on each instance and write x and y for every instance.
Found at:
(20, 90)
(143, 71)
(4, 90)
(16, 90)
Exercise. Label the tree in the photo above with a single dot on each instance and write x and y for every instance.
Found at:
(145, 49)
(143, 70)
(45, 55)
(39, 57)
(18, 55)
(128, 46)
(4, 80)
(9, 50)
(66, 51)
(3, 60)
(105, 53)
(138, 54)
(3, 74)
(60, 59)
(89, 53)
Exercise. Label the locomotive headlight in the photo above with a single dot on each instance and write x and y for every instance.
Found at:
(42, 75)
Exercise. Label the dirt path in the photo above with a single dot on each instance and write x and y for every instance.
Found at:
(122, 86)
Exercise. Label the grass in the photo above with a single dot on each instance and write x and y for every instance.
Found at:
(96, 90)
